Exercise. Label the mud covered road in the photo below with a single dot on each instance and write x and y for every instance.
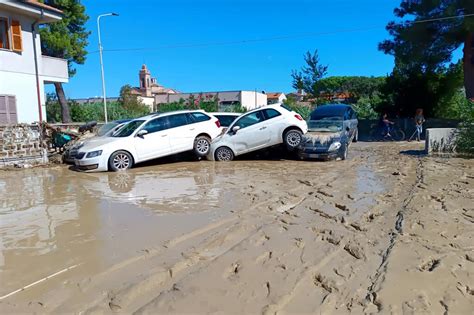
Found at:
(386, 231)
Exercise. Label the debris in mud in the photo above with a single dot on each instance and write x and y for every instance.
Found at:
(324, 193)
(305, 182)
(114, 307)
(355, 250)
(324, 283)
(396, 174)
(430, 265)
(342, 207)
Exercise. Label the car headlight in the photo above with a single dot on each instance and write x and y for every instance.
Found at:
(94, 154)
(335, 146)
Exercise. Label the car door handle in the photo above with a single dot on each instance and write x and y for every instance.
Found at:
(263, 128)
(164, 136)
(192, 129)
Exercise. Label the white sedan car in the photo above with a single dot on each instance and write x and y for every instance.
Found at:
(148, 138)
(260, 128)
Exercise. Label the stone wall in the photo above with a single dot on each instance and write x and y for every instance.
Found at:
(21, 145)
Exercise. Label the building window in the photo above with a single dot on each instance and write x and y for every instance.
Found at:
(17, 44)
(4, 40)
(8, 114)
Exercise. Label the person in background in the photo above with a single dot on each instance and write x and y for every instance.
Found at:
(419, 121)
(386, 123)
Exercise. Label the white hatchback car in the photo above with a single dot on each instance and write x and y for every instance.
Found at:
(148, 138)
(260, 128)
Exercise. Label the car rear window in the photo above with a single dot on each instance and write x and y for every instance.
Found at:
(225, 120)
(200, 117)
(286, 107)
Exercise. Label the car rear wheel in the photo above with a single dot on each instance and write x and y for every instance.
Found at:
(224, 154)
(293, 138)
(120, 161)
(202, 146)
(356, 135)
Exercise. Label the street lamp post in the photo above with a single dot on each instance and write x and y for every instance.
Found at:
(102, 62)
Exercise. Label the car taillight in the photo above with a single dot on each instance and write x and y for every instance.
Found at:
(218, 123)
(298, 117)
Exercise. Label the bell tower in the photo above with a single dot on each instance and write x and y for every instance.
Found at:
(145, 81)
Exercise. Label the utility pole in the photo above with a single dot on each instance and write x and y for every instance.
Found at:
(102, 62)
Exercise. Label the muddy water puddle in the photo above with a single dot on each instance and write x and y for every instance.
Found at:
(54, 218)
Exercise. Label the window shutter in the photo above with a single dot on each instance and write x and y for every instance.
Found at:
(11, 101)
(3, 110)
(16, 36)
(8, 114)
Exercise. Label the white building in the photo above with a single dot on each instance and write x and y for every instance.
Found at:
(276, 98)
(23, 69)
(226, 99)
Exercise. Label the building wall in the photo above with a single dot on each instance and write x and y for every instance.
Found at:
(18, 76)
(249, 101)
(148, 101)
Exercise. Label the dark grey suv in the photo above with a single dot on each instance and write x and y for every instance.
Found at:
(331, 130)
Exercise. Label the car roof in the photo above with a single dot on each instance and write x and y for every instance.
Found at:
(331, 109)
(121, 121)
(226, 113)
(163, 114)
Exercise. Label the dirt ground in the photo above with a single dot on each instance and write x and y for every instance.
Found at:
(387, 231)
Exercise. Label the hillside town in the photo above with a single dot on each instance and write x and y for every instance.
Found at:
(132, 181)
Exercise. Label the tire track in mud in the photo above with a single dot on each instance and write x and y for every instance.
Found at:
(378, 278)
(162, 278)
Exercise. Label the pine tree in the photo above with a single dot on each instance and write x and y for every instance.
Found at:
(426, 44)
(66, 39)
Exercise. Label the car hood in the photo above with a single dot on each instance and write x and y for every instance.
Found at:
(317, 138)
(98, 142)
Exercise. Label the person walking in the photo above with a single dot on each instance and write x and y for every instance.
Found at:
(419, 121)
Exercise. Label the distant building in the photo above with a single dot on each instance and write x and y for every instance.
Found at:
(298, 96)
(276, 98)
(149, 88)
(23, 69)
(226, 99)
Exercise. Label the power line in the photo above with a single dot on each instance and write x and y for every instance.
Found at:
(278, 38)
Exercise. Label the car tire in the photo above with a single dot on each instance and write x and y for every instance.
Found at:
(356, 135)
(120, 161)
(293, 139)
(202, 146)
(224, 154)
(343, 153)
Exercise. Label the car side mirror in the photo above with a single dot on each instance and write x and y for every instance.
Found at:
(142, 133)
(235, 129)
(348, 129)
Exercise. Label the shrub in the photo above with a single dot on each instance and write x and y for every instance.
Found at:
(465, 137)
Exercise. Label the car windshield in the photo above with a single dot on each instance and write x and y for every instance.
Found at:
(106, 128)
(328, 124)
(128, 129)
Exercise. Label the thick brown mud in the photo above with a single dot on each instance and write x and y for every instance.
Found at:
(385, 231)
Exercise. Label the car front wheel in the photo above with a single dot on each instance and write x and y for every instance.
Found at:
(224, 154)
(202, 146)
(120, 161)
(293, 138)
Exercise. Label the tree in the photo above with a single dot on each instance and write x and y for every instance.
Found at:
(308, 77)
(131, 103)
(66, 39)
(426, 44)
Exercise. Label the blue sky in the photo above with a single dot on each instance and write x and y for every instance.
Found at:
(264, 65)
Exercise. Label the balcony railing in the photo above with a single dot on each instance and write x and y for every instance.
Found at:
(54, 69)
